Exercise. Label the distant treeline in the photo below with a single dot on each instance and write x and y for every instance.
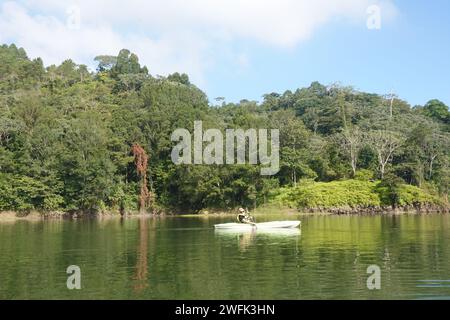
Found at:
(66, 136)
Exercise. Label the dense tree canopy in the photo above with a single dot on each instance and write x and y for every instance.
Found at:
(66, 136)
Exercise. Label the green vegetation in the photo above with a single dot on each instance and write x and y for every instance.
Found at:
(331, 194)
(66, 137)
(352, 194)
(23, 193)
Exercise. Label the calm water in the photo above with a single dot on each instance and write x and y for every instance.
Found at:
(184, 258)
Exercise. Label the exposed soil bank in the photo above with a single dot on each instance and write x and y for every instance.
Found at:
(35, 215)
(417, 209)
(6, 216)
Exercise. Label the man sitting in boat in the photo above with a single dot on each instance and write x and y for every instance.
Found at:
(244, 216)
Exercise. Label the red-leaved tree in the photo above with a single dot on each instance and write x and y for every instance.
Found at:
(141, 162)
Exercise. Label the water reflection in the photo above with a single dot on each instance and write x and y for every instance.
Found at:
(280, 232)
(184, 258)
(246, 238)
(142, 251)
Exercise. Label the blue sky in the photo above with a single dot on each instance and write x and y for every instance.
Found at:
(241, 49)
(410, 56)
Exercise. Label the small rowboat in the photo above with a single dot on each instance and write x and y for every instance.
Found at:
(258, 226)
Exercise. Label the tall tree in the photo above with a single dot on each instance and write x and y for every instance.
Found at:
(384, 143)
(352, 140)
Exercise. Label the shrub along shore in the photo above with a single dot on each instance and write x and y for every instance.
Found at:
(359, 197)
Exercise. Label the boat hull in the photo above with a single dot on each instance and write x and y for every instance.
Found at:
(259, 226)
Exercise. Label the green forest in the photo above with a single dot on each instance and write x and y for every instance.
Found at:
(73, 140)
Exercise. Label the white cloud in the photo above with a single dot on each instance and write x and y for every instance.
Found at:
(170, 35)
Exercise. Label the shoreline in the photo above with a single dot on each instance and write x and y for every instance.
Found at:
(12, 216)
(382, 210)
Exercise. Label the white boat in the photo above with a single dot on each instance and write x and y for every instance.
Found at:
(271, 232)
(259, 226)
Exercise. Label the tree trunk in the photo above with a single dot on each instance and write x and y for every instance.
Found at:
(382, 167)
(430, 172)
(353, 163)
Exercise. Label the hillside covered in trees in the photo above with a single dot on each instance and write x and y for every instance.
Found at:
(67, 137)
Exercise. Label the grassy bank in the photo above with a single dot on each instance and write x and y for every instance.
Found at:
(357, 195)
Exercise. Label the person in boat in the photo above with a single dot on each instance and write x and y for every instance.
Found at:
(244, 216)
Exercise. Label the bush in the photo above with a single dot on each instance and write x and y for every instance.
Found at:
(364, 175)
(348, 193)
(22, 193)
(405, 194)
(388, 189)
(352, 193)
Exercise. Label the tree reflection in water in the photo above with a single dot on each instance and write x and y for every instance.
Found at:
(141, 262)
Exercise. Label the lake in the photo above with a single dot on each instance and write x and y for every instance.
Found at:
(185, 258)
